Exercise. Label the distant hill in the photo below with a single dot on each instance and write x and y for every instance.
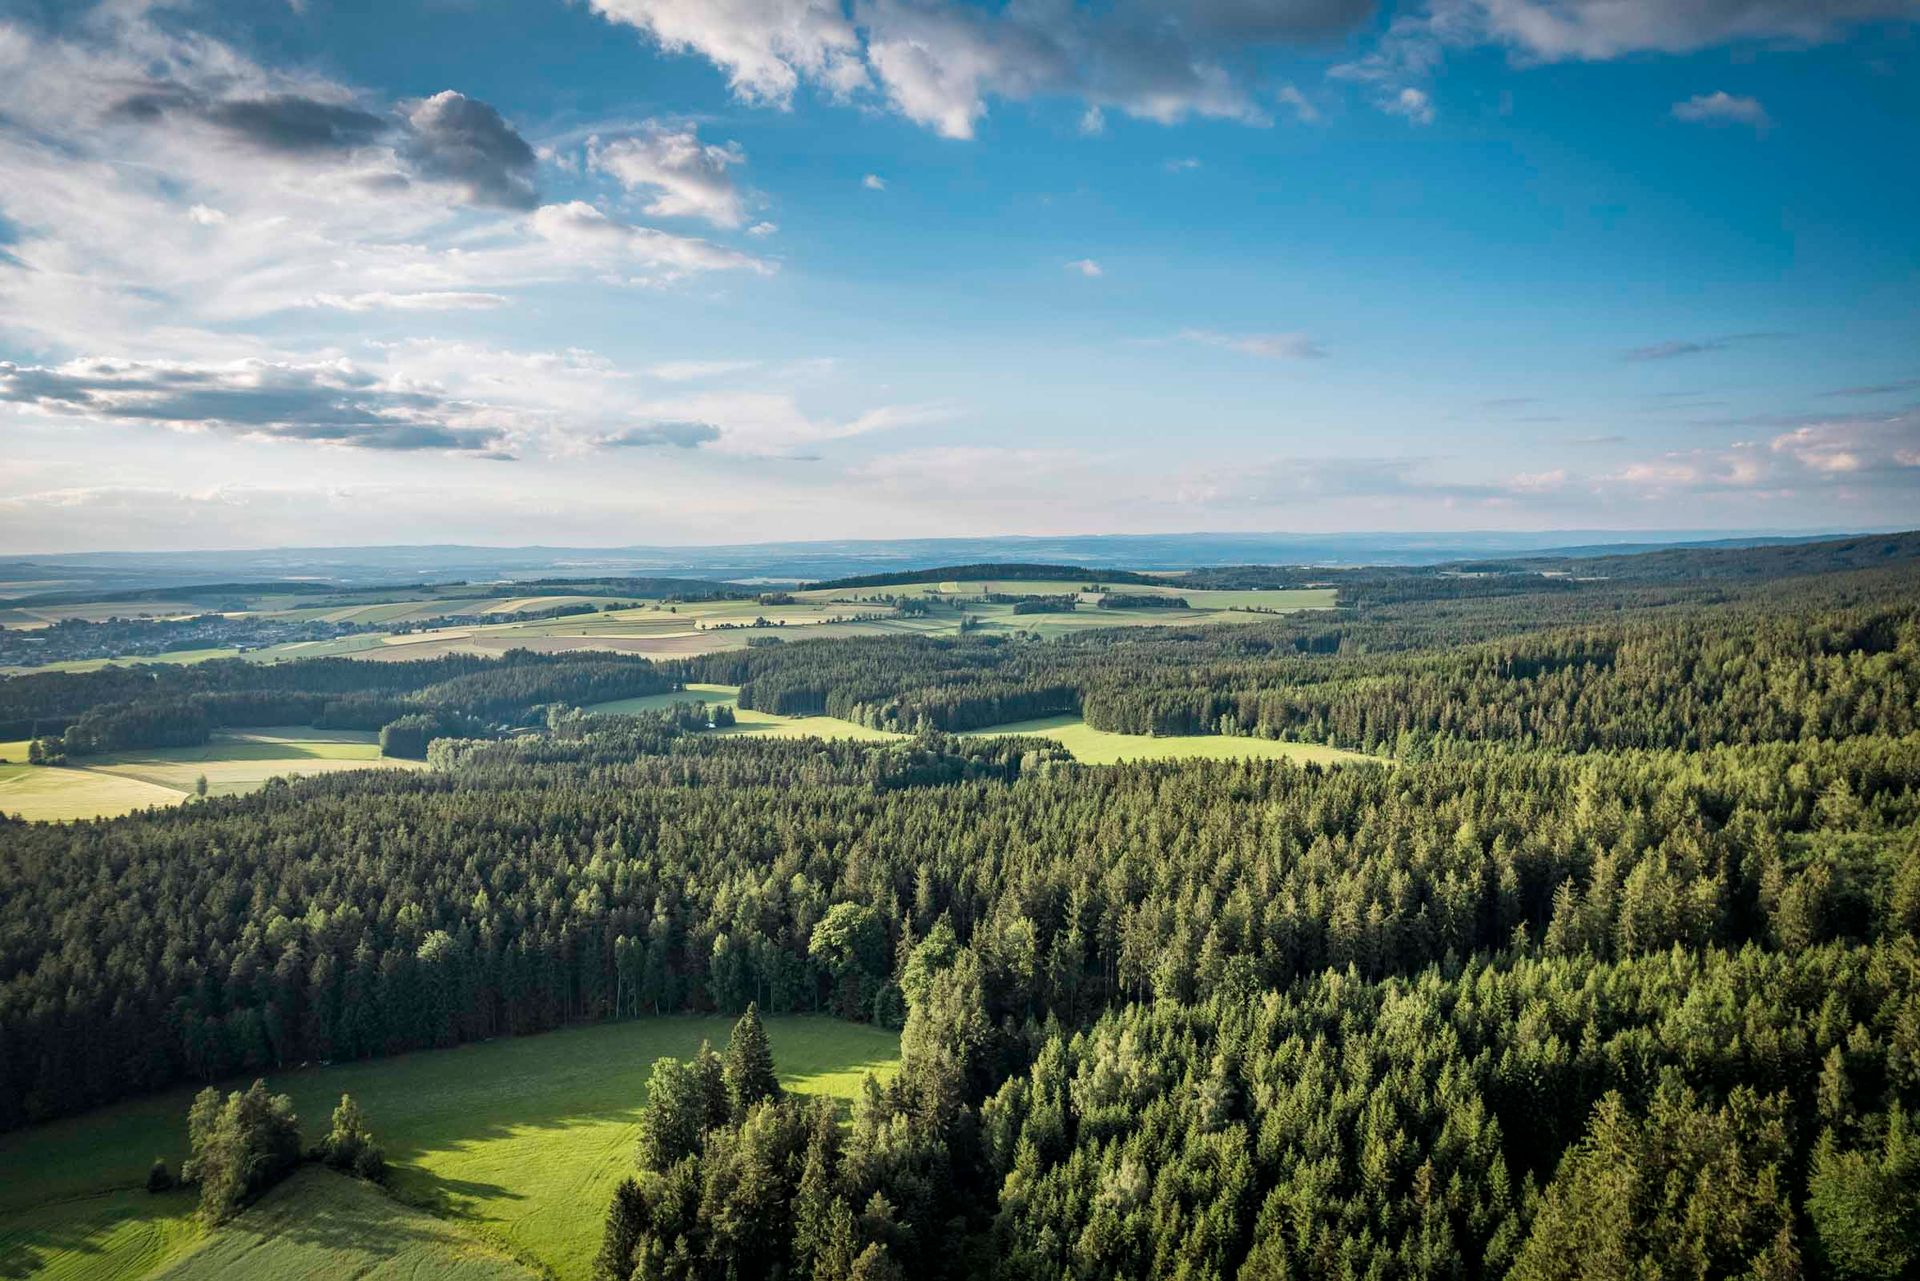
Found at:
(985, 573)
(837, 560)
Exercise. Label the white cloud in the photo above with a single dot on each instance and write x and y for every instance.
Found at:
(1414, 104)
(1721, 108)
(163, 191)
(579, 229)
(1087, 267)
(1265, 346)
(874, 182)
(446, 300)
(765, 46)
(1557, 30)
(688, 178)
(763, 229)
(1182, 164)
(939, 62)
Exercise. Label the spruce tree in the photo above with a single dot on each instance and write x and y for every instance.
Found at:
(749, 1063)
(626, 1222)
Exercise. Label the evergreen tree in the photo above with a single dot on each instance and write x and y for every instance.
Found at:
(240, 1147)
(749, 1069)
(626, 1224)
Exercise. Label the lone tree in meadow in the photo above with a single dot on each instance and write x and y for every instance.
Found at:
(349, 1144)
(749, 1063)
(239, 1147)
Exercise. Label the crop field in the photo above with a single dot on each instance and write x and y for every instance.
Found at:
(519, 1140)
(235, 761)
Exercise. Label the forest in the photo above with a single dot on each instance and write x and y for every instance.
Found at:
(1610, 966)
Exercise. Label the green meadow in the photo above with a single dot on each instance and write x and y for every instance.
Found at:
(519, 1141)
(234, 761)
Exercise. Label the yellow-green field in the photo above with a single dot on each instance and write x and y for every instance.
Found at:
(1103, 747)
(519, 1140)
(235, 761)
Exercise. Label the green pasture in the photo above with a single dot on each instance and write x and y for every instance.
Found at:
(518, 1140)
(234, 761)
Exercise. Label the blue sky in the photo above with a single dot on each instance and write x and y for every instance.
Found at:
(726, 270)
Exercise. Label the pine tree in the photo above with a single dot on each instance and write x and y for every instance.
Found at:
(749, 1064)
(626, 1223)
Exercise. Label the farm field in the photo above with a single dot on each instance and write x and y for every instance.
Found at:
(659, 629)
(520, 1140)
(1092, 746)
(321, 1224)
(235, 761)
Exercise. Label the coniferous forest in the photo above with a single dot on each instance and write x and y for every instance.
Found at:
(1608, 967)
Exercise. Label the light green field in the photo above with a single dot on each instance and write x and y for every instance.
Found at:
(1092, 746)
(749, 723)
(711, 695)
(319, 1224)
(235, 761)
(521, 1140)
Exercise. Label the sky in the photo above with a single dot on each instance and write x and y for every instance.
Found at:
(607, 272)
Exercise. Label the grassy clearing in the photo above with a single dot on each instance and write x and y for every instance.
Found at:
(320, 1224)
(1093, 746)
(711, 695)
(235, 761)
(522, 1140)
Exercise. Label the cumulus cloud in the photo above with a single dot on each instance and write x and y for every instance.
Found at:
(686, 178)
(678, 435)
(1087, 267)
(463, 141)
(330, 402)
(1721, 108)
(939, 62)
(161, 192)
(766, 47)
(1265, 346)
(874, 182)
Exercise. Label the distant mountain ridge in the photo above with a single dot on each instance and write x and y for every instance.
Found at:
(826, 560)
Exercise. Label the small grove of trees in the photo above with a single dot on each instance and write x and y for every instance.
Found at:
(409, 736)
(239, 1147)
(242, 1144)
(349, 1145)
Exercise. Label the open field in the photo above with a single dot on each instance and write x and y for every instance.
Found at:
(235, 761)
(659, 629)
(749, 723)
(520, 1139)
(320, 1224)
(1093, 746)
(1090, 746)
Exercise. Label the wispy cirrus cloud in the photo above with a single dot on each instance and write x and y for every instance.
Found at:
(1294, 346)
(1674, 348)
